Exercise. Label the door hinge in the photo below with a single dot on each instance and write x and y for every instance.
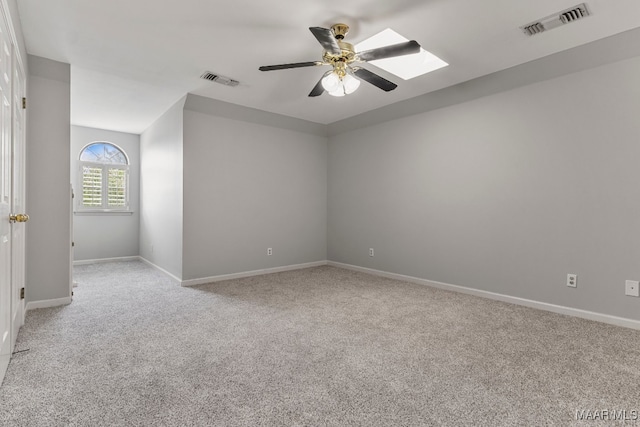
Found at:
(21, 293)
(24, 103)
(73, 244)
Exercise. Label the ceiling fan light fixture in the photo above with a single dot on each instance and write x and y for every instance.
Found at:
(340, 83)
(331, 81)
(338, 92)
(350, 83)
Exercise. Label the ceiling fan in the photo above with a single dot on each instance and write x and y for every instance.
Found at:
(341, 56)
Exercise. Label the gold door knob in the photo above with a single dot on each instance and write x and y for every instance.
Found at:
(19, 218)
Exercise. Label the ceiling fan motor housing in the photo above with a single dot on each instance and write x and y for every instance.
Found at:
(347, 54)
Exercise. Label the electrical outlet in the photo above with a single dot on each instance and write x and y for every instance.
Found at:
(370, 251)
(269, 251)
(572, 280)
(632, 288)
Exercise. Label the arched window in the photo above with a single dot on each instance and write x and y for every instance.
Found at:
(104, 171)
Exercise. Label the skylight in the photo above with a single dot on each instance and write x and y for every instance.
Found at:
(405, 67)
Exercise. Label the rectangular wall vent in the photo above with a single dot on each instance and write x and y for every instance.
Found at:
(208, 75)
(557, 19)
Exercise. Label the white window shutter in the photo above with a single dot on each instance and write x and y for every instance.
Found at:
(116, 188)
(91, 187)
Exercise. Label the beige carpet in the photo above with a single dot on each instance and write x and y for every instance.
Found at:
(315, 347)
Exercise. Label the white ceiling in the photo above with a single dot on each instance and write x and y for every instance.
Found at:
(131, 60)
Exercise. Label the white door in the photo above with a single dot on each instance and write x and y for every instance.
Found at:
(18, 204)
(5, 197)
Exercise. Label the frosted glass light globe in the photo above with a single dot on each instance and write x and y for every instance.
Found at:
(350, 84)
(338, 92)
(331, 82)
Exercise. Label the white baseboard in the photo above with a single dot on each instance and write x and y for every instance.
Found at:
(31, 305)
(569, 311)
(194, 282)
(157, 267)
(105, 260)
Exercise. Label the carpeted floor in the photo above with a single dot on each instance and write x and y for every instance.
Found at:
(315, 347)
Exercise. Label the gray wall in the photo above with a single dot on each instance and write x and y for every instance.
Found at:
(48, 181)
(161, 191)
(106, 235)
(507, 193)
(247, 187)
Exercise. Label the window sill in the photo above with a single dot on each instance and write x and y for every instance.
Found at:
(105, 213)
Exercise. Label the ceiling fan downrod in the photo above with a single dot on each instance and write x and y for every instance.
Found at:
(339, 30)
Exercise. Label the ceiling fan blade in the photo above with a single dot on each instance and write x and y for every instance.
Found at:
(318, 89)
(286, 66)
(326, 39)
(404, 48)
(375, 79)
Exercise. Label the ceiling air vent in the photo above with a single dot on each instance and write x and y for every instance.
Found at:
(557, 19)
(208, 75)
